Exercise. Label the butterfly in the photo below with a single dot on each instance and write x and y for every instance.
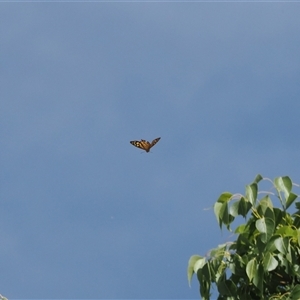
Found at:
(144, 145)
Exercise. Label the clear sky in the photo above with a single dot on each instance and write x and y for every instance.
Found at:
(83, 213)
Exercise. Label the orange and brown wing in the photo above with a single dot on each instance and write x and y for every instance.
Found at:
(144, 145)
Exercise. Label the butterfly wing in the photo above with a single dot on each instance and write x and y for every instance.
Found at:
(144, 145)
(154, 142)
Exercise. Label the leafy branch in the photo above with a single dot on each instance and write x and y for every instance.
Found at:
(264, 260)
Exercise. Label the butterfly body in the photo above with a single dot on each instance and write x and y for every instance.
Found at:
(144, 145)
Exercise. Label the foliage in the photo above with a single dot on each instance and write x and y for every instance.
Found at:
(264, 260)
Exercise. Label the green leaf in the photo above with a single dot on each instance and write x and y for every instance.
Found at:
(283, 261)
(206, 271)
(283, 184)
(237, 266)
(234, 208)
(265, 226)
(264, 204)
(296, 221)
(251, 193)
(291, 198)
(191, 266)
(221, 212)
(260, 245)
(227, 288)
(282, 245)
(224, 197)
(258, 178)
(217, 209)
(251, 268)
(269, 213)
(244, 207)
(204, 289)
(279, 215)
(219, 251)
(295, 293)
(269, 262)
(224, 216)
(298, 237)
(287, 231)
(271, 246)
(217, 269)
(241, 229)
(204, 279)
(221, 209)
(258, 279)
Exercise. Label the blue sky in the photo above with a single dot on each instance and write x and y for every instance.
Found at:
(85, 214)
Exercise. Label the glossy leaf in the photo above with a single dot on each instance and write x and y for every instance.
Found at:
(191, 266)
(282, 245)
(283, 184)
(251, 268)
(269, 262)
(224, 197)
(264, 204)
(266, 227)
(243, 207)
(251, 193)
(290, 200)
(234, 208)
